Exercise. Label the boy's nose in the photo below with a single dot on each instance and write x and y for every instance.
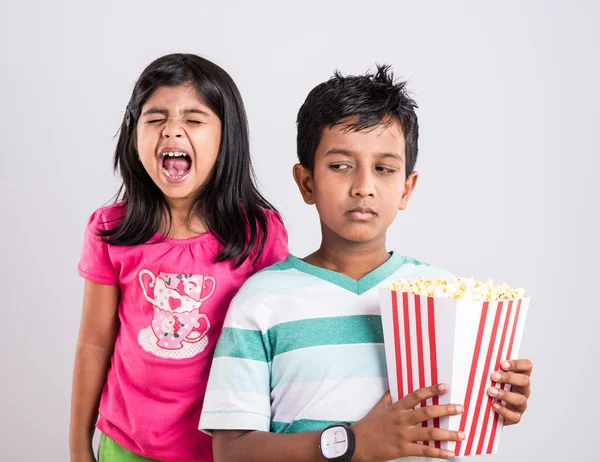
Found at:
(363, 185)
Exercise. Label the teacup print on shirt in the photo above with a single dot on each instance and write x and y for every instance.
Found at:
(178, 330)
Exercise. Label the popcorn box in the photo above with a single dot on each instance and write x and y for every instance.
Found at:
(430, 340)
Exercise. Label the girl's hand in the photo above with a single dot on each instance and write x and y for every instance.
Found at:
(517, 373)
(86, 456)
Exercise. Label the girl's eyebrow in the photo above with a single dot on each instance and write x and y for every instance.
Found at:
(164, 112)
(156, 111)
(196, 111)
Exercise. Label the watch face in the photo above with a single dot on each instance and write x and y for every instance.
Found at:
(334, 442)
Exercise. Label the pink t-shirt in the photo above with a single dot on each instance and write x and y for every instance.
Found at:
(172, 307)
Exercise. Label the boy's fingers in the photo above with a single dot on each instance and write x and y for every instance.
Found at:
(516, 399)
(510, 416)
(386, 400)
(436, 434)
(422, 394)
(517, 365)
(420, 450)
(512, 378)
(432, 412)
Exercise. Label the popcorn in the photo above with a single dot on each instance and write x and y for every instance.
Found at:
(458, 289)
(455, 331)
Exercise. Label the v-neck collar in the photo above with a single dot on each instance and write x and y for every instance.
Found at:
(364, 284)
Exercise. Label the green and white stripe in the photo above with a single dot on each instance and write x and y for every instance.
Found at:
(302, 347)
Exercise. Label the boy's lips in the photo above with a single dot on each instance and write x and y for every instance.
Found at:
(362, 213)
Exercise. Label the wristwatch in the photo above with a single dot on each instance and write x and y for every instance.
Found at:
(337, 442)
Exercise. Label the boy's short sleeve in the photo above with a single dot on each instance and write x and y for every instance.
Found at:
(276, 246)
(238, 392)
(95, 263)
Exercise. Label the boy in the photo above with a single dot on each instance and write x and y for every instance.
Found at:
(301, 353)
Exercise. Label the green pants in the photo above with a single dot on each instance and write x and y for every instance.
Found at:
(111, 451)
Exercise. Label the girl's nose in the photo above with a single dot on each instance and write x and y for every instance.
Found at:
(173, 129)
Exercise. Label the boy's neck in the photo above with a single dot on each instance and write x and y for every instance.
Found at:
(351, 259)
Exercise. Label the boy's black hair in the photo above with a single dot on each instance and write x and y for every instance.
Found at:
(229, 203)
(358, 102)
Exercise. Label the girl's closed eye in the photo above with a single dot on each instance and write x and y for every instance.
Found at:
(190, 121)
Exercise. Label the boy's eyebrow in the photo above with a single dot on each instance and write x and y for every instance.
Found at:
(155, 110)
(391, 154)
(346, 152)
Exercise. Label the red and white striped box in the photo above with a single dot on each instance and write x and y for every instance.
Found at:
(458, 342)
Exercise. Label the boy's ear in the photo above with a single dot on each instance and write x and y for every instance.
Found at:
(304, 180)
(409, 187)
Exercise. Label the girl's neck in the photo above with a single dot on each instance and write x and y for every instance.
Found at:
(181, 227)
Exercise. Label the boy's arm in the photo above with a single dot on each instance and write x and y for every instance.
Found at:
(254, 446)
(389, 431)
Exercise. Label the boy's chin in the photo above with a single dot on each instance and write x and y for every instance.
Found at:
(351, 233)
(358, 236)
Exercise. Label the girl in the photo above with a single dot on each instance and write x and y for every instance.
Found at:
(162, 265)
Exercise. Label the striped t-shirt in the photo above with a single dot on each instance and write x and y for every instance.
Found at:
(302, 348)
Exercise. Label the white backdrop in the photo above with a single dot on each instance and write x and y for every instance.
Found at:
(509, 112)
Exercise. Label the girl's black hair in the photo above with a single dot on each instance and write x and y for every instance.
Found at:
(229, 203)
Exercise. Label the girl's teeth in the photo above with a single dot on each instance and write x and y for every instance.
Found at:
(174, 176)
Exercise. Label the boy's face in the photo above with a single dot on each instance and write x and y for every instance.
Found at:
(359, 181)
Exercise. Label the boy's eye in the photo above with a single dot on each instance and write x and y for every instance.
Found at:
(155, 121)
(197, 122)
(385, 170)
(339, 166)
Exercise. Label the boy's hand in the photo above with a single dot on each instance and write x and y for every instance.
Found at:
(390, 431)
(517, 373)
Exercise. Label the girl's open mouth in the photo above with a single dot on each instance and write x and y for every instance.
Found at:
(176, 165)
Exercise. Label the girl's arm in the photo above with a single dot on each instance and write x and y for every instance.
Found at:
(95, 344)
